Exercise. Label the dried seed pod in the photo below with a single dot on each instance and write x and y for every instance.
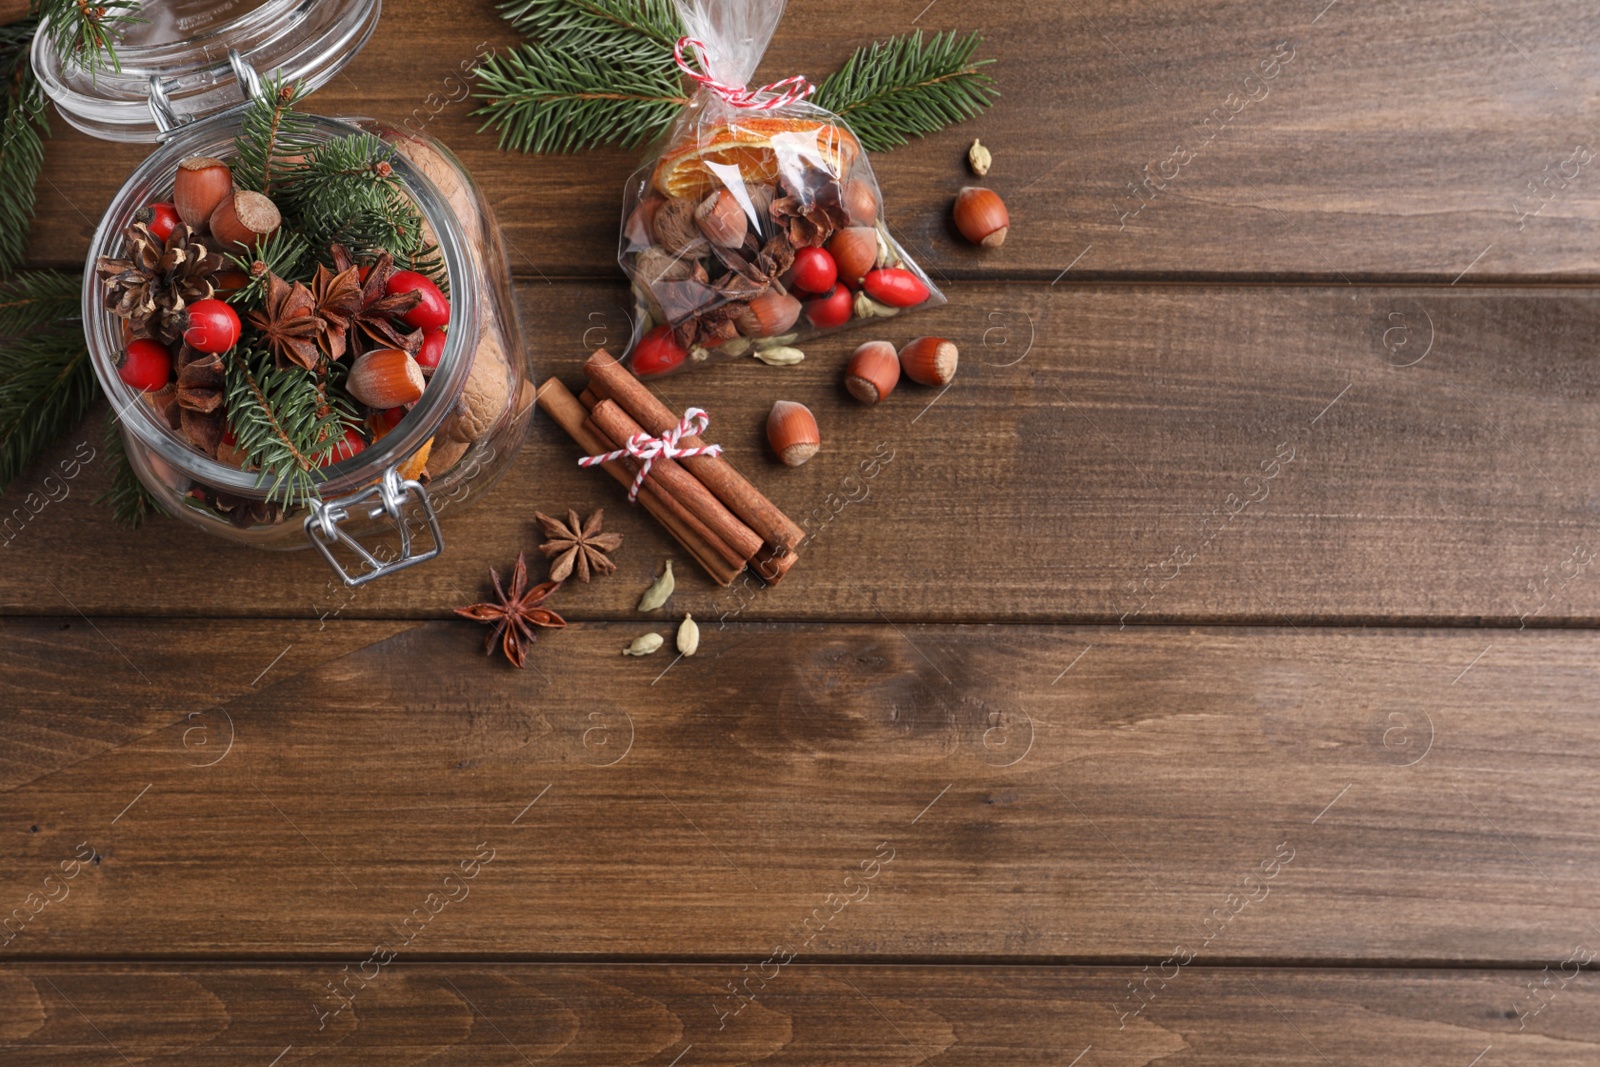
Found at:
(722, 220)
(644, 645)
(792, 430)
(779, 356)
(873, 372)
(675, 228)
(866, 308)
(929, 360)
(979, 158)
(200, 184)
(688, 636)
(243, 220)
(386, 378)
(659, 590)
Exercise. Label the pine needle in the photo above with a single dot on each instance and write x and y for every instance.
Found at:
(606, 27)
(546, 99)
(906, 87)
(22, 122)
(130, 499)
(283, 422)
(46, 380)
(601, 72)
(87, 33)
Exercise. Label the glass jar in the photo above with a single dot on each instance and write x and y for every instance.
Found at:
(475, 411)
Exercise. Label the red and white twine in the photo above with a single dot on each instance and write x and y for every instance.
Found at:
(646, 449)
(793, 89)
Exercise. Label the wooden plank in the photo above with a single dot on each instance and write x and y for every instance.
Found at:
(80, 688)
(1128, 141)
(1026, 794)
(1107, 453)
(517, 1015)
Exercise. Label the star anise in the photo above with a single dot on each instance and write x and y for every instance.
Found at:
(375, 317)
(811, 221)
(574, 544)
(516, 615)
(289, 324)
(338, 297)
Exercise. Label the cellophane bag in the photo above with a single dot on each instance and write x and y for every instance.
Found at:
(757, 223)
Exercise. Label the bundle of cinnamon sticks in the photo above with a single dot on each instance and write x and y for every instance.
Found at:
(722, 520)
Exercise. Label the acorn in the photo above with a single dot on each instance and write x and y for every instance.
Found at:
(981, 216)
(385, 378)
(243, 220)
(929, 360)
(855, 250)
(768, 315)
(792, 430)
(721, 219)
(199, 186)
(872, 372)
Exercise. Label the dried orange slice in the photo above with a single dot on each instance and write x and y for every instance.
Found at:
(755, 146)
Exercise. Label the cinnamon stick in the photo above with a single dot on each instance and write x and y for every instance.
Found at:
(680, 484)
(716, 559)
(609, 379)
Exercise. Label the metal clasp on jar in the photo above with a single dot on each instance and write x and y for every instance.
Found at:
(323, 529)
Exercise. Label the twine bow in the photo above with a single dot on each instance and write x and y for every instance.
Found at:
(794, 88)
(644, 448)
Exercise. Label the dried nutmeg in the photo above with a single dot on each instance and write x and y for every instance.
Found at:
(792, 430)
(652, 265)
(721, 219)
(855, 250)
(981, 216)
(200, 185)
(386, 378)
(768, 315)
(872, 372)
(675, 229)
(243, 220)
(929, 361)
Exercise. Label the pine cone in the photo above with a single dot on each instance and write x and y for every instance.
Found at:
(157, 280)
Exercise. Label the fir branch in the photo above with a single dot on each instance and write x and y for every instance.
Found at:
(282, 422)
(648, 29)
(907, 87)
(46, 380)
(87, 33)
(285, 253)
(270, 130)
(545, 99)
(22, 122)
(131, 500)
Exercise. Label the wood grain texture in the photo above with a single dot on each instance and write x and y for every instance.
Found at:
(1108, 453)
(890, 1016)
(1390, 143)
(1010, 793)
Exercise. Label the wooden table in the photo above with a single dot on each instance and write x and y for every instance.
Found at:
(1206, 677)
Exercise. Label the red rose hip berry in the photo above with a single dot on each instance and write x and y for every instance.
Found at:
(349, 445)
(895, 287)
(210, 326)
(433, 311)
(432, 349)
(657, 353)
(835, 309)
(159, 219)
(146, 365)
(814, 270)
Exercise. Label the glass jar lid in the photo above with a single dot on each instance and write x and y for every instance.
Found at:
(176, 68)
